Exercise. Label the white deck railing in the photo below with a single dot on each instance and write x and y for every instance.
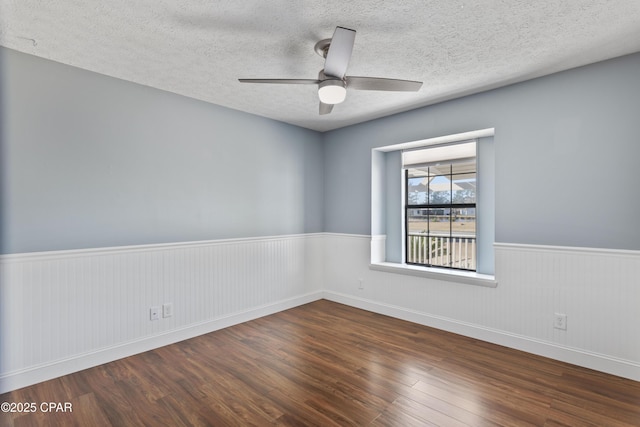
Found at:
(444, 251)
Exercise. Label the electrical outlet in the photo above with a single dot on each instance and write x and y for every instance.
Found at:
(167, 310)
(154, 313)
(560, 321)
(360, 284)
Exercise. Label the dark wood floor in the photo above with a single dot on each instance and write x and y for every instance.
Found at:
(328, 364)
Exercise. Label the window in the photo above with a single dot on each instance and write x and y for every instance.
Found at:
(440, 206)
(412, 178)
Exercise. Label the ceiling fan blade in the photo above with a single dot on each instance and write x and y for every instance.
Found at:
(375, 83)
(337, 60)
(325, 108)
(282, 81)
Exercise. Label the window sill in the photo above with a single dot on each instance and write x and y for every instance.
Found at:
(466, 277)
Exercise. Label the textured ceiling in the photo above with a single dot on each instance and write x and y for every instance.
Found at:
(200, 48)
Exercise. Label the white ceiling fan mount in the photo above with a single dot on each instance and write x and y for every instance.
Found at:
(332, 81)
(322, 47)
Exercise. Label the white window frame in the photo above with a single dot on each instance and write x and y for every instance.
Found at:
(378, 260)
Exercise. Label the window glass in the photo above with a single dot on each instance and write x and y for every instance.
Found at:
(440, 190)
(463, 222)
(417, 191)
(463, 188)
(441, 213)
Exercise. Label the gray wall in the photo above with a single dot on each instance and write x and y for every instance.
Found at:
(566, 153)
(92, 161)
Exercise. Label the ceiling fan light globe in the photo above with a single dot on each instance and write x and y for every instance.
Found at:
(332, 91)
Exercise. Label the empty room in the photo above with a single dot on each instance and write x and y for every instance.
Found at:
(337, 213)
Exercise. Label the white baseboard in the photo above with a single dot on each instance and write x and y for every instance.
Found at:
(33, 375)
(603, 363)
(599, 362)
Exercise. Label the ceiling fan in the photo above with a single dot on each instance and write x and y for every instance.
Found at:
(332, 81)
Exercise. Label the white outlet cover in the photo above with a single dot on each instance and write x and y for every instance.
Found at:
(560, 321)
(154, 313)
(167, 310)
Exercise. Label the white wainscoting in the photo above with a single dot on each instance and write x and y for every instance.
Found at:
(598, 290)
(64, 311)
